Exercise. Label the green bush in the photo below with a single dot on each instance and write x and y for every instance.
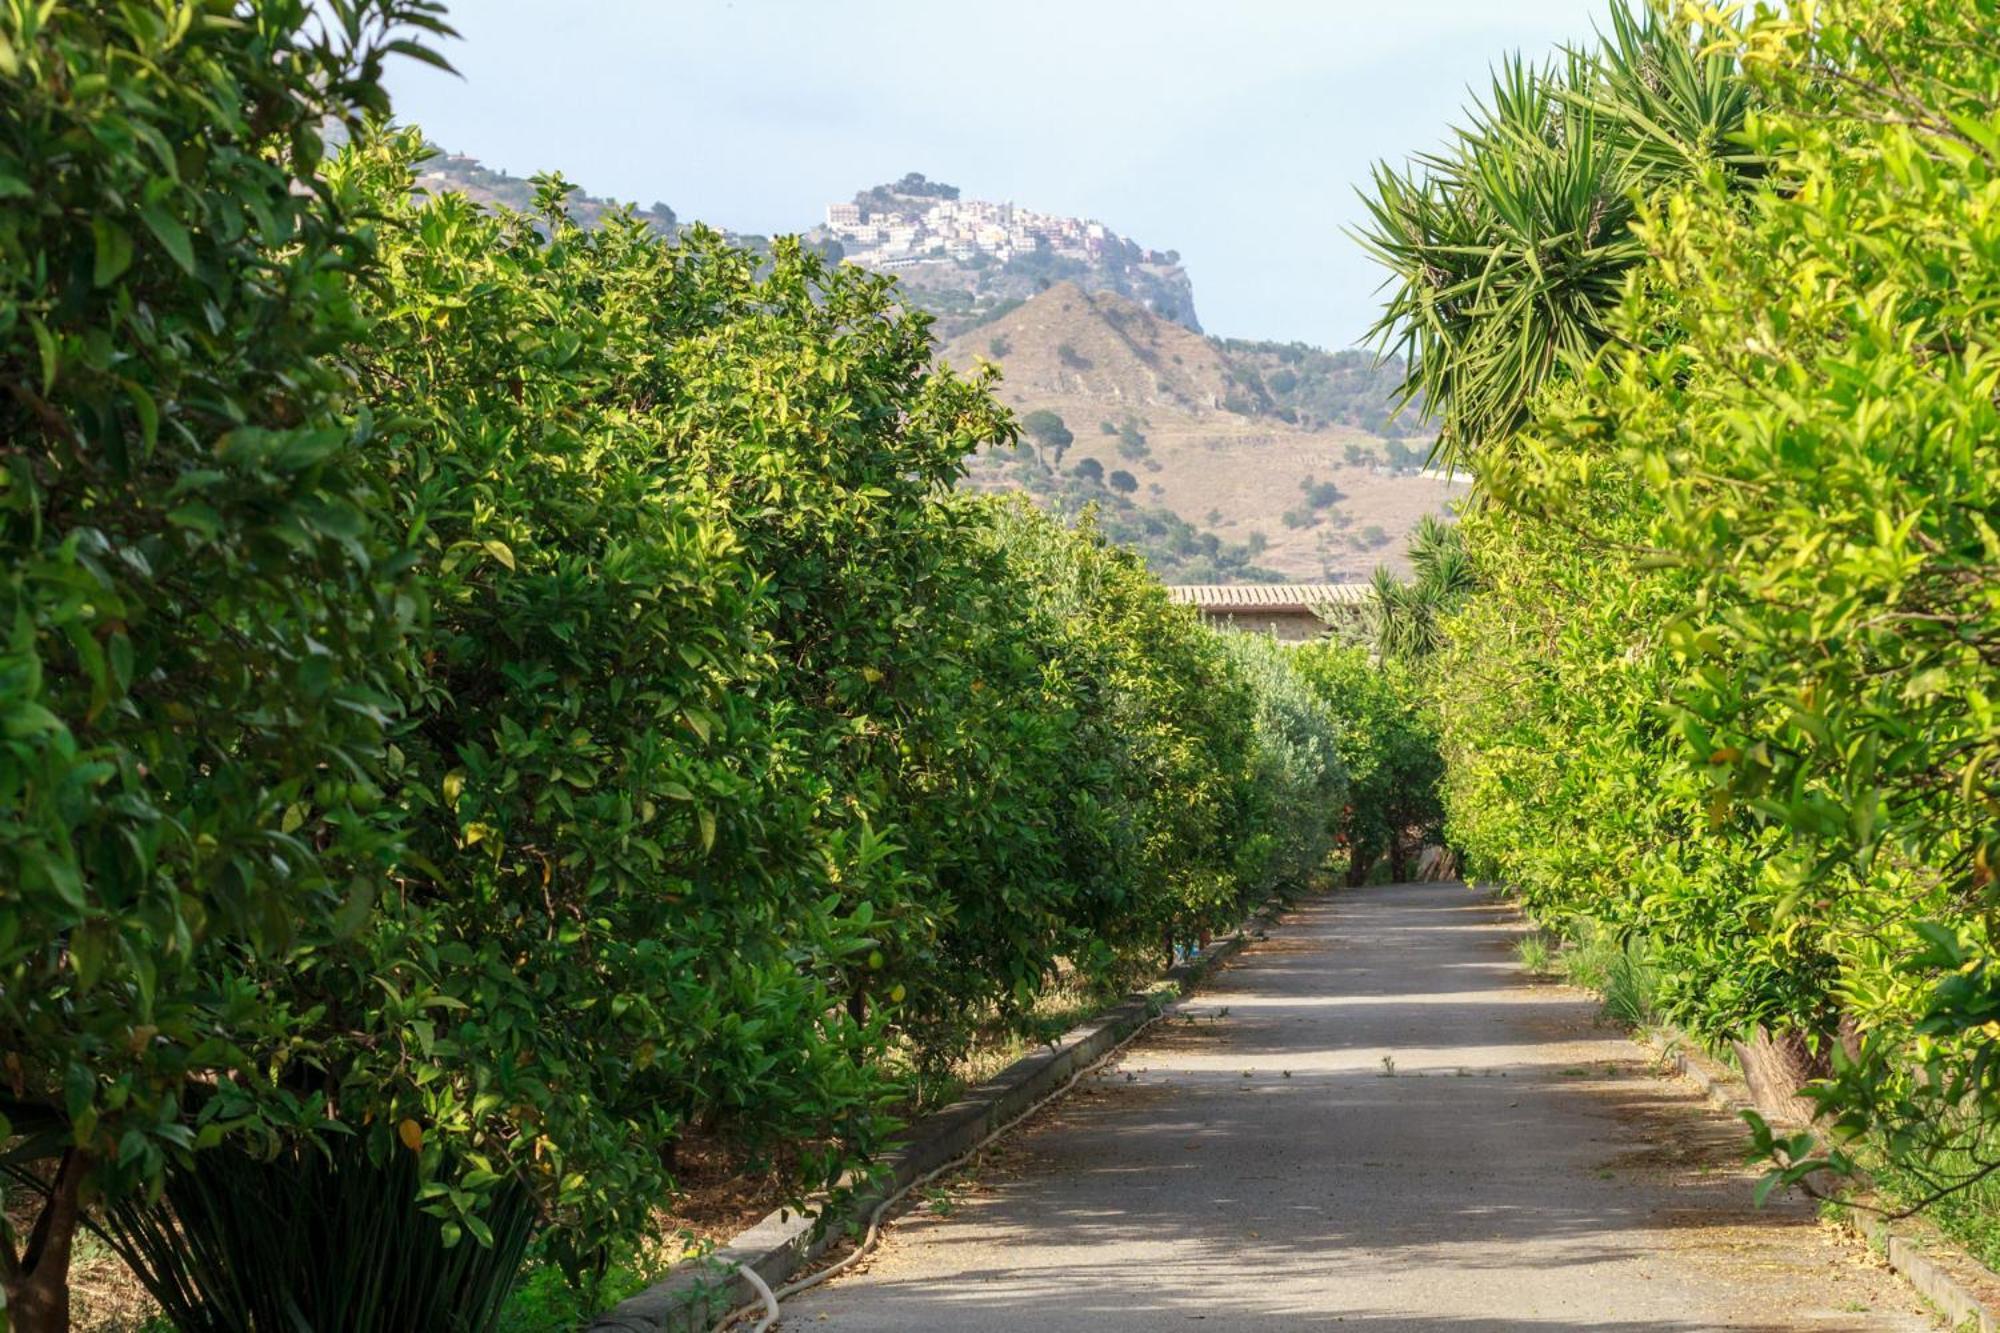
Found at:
(1724, 683)
(1388, 746)
(205, 596)
(1622, 971)
(1164, 743)
(1298, 781)
(492, 702)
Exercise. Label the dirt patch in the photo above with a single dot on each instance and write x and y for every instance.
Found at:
(104, 1296)
(723, 1194)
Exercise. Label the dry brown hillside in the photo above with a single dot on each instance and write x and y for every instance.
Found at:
(1167, 407)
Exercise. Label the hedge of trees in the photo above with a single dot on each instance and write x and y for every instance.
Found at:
(488, 702)
(1712, 312)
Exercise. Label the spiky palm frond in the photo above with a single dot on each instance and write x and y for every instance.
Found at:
(1508, 250)
(317, 1237)
(1680, 104)
(1406, 617)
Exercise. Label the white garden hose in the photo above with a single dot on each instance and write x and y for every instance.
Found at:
(769, 1300)
(764, 1298)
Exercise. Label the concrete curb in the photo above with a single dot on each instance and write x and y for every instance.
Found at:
(698, 1293)
(1942, 1273)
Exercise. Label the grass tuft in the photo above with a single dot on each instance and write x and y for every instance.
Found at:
(1623, 972)
(1532, 951)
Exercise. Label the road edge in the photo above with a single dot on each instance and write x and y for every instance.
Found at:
(696, 1293)
(1920, 1255)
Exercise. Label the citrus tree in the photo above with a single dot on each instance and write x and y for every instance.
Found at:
(1725, 680)
(206, 611)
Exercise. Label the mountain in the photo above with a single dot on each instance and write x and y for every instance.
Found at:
(1221, 460)
(969, 261)
(1200, 451)
(460, 174)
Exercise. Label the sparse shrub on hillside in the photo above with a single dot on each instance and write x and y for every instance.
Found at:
(1070, 358)
(1402, 456)
(1090, 470)
(1319, 388)
(1132, 442)
(1124, 482)
(1047, 430)
(998, 347)
(987, 312)
(1320, 494)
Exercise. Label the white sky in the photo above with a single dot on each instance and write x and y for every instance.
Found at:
(1234, 131)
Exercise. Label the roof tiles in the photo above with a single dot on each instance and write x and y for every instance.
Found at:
(1268, 596)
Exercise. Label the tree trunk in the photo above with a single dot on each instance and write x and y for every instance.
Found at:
(1399, 858)
(38, 1282)
(1776, 1067)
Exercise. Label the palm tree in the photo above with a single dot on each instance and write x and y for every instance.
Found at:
(1405, 618)
(1508, 250)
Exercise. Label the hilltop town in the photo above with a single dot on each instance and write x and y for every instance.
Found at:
(917, 221)
(968, 261)
(1218, 459)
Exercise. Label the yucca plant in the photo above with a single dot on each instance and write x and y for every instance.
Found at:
(1404, 617)
(1508, 250)
(1676, 101)
(317, 1237)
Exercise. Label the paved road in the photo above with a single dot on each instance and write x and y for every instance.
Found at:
(1370, 1121)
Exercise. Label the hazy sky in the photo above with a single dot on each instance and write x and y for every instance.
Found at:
(1234, 131)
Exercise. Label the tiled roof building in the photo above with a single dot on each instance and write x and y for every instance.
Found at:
(1288, 610)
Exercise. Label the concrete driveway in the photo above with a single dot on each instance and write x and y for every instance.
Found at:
(1371, 1120)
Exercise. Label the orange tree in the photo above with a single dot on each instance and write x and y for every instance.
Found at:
(204, 604)
(490, 703)
(742, 764)
(1728, 682)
